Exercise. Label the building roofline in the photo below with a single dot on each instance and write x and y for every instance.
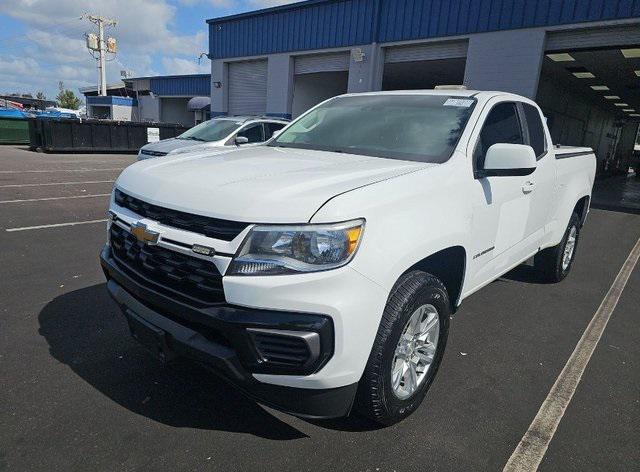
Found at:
(178, 76)
(94, 88)
(262, 11)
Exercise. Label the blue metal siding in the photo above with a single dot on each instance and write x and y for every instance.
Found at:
(189, 85)
(416, 19)
(319, 24)
(329, 24)
(112, 100)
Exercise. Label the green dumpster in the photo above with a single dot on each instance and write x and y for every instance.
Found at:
(14, 131)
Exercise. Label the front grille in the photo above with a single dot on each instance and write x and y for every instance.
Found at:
(152, 153)
(275, 349)
(171, 272)
(211, 227)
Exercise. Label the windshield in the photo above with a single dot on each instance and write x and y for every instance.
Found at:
(423, 128)
(212, 130)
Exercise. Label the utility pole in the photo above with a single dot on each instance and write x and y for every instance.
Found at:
(99, 45)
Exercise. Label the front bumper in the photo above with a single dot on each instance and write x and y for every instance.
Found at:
(220, 338)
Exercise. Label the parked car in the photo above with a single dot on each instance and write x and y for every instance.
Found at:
(216, 133)
(318, 272)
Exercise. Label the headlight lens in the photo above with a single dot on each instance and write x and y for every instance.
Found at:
(276, 250)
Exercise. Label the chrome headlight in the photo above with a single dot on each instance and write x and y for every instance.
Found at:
(281, 249)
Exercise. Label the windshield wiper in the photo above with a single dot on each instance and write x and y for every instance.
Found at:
(194, 138)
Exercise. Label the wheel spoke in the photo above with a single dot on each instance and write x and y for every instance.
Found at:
(413, 378)
(427, 325)
(414, 322)
(398, 371)
(426, 353)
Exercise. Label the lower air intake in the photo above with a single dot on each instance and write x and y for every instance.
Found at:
(286, 348)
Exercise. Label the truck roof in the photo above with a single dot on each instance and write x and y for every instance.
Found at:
(479, 94)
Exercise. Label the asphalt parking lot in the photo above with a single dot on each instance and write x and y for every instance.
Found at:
(79, 394)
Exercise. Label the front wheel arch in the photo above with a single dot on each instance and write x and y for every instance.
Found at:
(449, 266)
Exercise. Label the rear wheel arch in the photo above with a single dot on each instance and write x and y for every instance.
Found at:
(449, 266)
(581, 209)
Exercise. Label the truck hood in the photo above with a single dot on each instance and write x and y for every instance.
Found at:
(258, 185)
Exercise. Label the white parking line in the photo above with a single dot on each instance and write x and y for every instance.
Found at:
(533, 445)
(58, 183)
(46, 199)
(57, 225)
(56, 170)
(109, 162)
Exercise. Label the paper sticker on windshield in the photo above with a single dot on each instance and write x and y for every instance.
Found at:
(458, 102)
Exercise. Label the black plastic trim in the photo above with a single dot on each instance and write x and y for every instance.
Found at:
(566, 155)
(222, 320)
(174, 339)
(482, 173)
(216, 228)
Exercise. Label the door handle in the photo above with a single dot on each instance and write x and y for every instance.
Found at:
(529, 186)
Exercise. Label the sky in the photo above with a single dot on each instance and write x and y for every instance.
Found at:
(42, 42)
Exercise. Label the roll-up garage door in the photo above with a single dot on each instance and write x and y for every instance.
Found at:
(248, 88)
(426, 51)
(314, 63)
(590, 38)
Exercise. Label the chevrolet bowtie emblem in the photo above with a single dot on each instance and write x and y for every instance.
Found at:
(143, 234)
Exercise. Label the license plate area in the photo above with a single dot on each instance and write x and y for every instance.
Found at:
(150, 336)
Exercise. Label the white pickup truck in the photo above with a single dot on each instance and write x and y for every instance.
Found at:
(318, 272)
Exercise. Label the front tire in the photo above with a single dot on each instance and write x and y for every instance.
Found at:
(407, 350)
(554, 263)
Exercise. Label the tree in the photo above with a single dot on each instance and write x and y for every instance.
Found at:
(40, 95)
(67, 99)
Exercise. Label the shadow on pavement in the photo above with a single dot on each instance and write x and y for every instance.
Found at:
(619, 193)
(86, 331)
(524, 273)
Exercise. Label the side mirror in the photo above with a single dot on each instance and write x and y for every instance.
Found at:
(276, 133)
(504, 159)
(241, 140)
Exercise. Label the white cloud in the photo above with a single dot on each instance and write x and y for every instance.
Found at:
(53, 47)
(270, 3)
(186, 66)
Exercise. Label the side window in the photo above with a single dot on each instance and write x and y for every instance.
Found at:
(253, 133)
(501, 126)
(270, 128)
(536, 130)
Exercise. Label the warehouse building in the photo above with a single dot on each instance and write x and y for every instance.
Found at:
(580, 59)
(183, 99)
(179, 99)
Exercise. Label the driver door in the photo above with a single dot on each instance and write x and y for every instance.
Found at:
(501, 204)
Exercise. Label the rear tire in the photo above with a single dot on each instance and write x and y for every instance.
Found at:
(390, 388)
(554, 263)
